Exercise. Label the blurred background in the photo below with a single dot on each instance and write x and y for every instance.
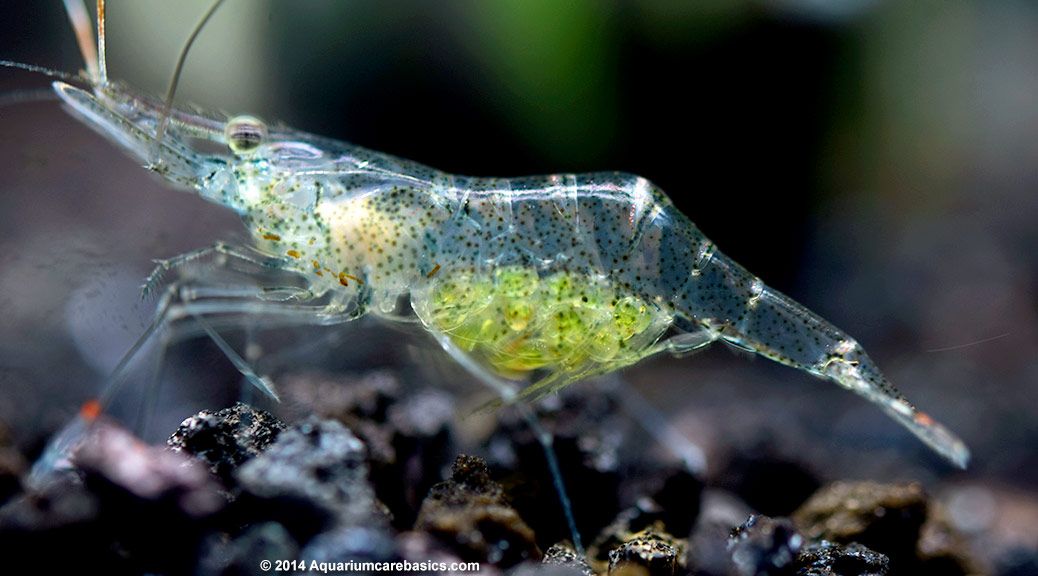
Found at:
(876, 160)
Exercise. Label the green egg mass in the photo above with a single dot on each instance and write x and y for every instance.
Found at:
(517, 322)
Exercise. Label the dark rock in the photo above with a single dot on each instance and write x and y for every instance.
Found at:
(721, 512)
(12, 466)
(351, 543)
(771, 485)
(590, 435)
(361, 403)
(241, 556)
(421, 547)
(1019, 562)
(564, 555)
(470, 515)
(63, 517)
(542, 569)
(421, 426)
(226, 439)
(646, 514)
(62, 503)
(671, 509)
(409, 436)
(313, 477)
(630, 532)
(942, 549)
(884, 517)
(679, 500)
(764, 546)
(115, 463)
(424, 414)
(148, 497)
(829, 559)
(647, 553)
(338, 396)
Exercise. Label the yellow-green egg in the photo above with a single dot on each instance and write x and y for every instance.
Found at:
(517, 322)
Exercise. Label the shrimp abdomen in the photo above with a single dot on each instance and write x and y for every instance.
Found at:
(725, 298)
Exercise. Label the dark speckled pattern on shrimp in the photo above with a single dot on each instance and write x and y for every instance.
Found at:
(543, 280)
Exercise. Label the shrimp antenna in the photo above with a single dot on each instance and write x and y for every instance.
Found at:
(80, 18)
(81, 23)
(41, 70)
(175, 80)
(102, 61)
(17, 97)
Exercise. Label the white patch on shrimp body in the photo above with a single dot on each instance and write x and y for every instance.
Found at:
(756, 291)
(844, 347)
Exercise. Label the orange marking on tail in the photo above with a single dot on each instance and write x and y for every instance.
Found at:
(269, 236)
(294, 253)
(433, 271)
(90, 410)
(924, 419)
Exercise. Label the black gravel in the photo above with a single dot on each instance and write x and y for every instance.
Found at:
(369, 478)
(226, 439)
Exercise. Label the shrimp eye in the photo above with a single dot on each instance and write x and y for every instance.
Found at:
(244, 134)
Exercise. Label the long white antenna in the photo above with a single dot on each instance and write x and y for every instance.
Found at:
(81, 24)
(102, 65)
(175, 80)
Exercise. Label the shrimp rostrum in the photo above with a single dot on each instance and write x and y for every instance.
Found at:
(539, 280)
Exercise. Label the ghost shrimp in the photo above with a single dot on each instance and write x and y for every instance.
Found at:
(530, 283)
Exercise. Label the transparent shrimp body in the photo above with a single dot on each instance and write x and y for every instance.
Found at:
(541, 280)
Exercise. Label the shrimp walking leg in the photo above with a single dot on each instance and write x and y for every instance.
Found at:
(655, 423)
(198, 305)
(220, 249)
(232, 282)
(201, 310)
(687, 343)
(507, 391)
(173, 322)
(152, 394)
